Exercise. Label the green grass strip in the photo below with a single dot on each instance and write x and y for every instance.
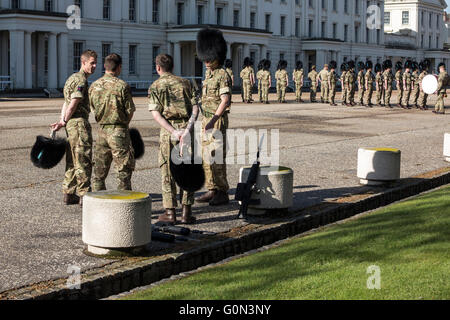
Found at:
(408, 241)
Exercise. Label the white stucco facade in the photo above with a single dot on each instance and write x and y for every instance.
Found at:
(38, 50)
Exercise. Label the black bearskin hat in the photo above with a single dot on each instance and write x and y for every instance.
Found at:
(427, 63)
(228, 63)
(332, 64)
(299, 65)
(408, 64)
(387, 64)
(415, 66)
(189, 177)
(211, 46)
(267, 64)
(351, 64)
(398, 66)
(378, 68)
(247, 62)
(361, 65)
(344, 67)
(47, 153)
(422, 67)
(261, 65)
(137, 143)
(282, 64)
(369, 64)
(439, 66)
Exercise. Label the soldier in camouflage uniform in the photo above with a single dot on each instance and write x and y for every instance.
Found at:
(368, 80)
(415, 84)
(248, 80)
(350, 83)
(422, 100)
(173, 104)
(399, 81)
(112, 104)
(344, 86)
(332, 79)
(324, 89)
(229, 70)
(441, 90)
(361, 84)
(313, 77)
(258, 77)
(379, 84)
(266, 80)
(282, 78)
(407, 84)
(388, 80)
(216, 92)
(75, 118)
(297, 77)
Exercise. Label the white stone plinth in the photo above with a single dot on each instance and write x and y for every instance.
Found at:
(116, 220)
(377, 166)
(274, 188)
(447, 147)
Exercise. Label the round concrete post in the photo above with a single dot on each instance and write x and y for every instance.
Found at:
(116, 222)
(447, 147)
(378, 166)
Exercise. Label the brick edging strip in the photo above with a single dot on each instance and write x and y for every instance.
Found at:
(128, 277)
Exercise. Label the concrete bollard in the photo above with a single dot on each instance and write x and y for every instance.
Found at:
(447, 147)
(378, 166)
(116, 222)
(274, 188)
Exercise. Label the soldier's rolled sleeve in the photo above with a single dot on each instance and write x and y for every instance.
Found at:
(194, 100)
(78, 87)
(154, 102)
(130, 107)
(225, 85)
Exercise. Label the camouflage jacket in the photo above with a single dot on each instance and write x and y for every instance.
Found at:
(332, 78)
(77, 87)
(422, 75)
(258, 75)
(360, 78)
(407, 81)
(415, 79)
(388, 78)
(265, 75)
(379, 80)
(298, 75)
(369, 79)
(399, 79)
(313, 75)
(343, 76)
(442, 82)
(323, 76)
(111, 101)
(172, 96)
(350, 79)
(280, 76)
(245, 74)
(217, 83)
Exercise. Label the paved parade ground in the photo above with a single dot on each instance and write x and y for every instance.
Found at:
(40, 237)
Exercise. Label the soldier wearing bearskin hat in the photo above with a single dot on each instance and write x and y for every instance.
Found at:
(379, 87)
(297, 77)
(344, 70)
(369, 78)
(407, 84)
(313, 76)
(282, 81)
(415, 84)
(258, 77)
(422, 100)
(361, 85)
(332, 79)
(441, 91)
(350, 79)
(266, 80)
(248, 80)
(399, 82)
(388, 80)
(324, 89)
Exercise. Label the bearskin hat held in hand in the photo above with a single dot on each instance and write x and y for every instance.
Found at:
(47, 153)
(211, 46)
(137, 143)
(189, 177)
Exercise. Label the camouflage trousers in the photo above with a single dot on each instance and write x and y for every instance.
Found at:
(400, 96)
(422, 100)
(406, 96)
(415, 95)
(368, 96)
(265, 92)
(247, 90)
(361, 94)
(169, 187)
(332, 94)
(439, 107)
(281, 91)
(387, 96)
(324, 92)
(298, 91)
(379, 96)
(260, 91)
(351, 94)
(313, 93)
(77, 179)
(344, 95)
(113, 145)
(213, 142)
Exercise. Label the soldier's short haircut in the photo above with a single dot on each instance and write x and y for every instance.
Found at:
(165, 61)
(112, 62)
(89, 54)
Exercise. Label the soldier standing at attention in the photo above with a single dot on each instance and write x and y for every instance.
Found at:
(252, 72)
(112, 104)
(313, 76)
(422, 100)
(174, 106)
(229, 70)
(258, 77)
(266, 80)
(379, 84)
(399, 81)
(344, 70)
(350, 82)
(332, 79)
(407, 84)
(368, 80)
(415, 84)
(75, 118)
(282, 81)
(247, 80)
(388, 80)
(361, 85)
(441, 90)
(324, 89)
(212, 50)
(297, 77)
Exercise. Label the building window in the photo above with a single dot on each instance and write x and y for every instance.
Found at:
(297, 27)
(15, 4)
(357, 6)
(323, 32)
(132, 51)
(132, 11)
(46, 56)
(437, 42)
(297, 58)
(429, 42)
(311, 4)
(421, 42)
(335, 5)
(297, 2)
(281, 55)
(49, 5)
(387, 18)
(155, 53)
(346, 6)
(267, 22)
(268, 55)
(429, 20)
(79, 4)
(405, 17)
(324, 4)
(334, 30)
(180, 13)
(283, 25)
(106, 51)
(77, 52)
(378, 36)
(106, 9)
(310, 28)
(155, 15)
(437, 22)
(219, 16)
(421, 18)
(367, 35)
(199, 14)
(236, 18)
(356, 33)
(252, 20)
(253, 57)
